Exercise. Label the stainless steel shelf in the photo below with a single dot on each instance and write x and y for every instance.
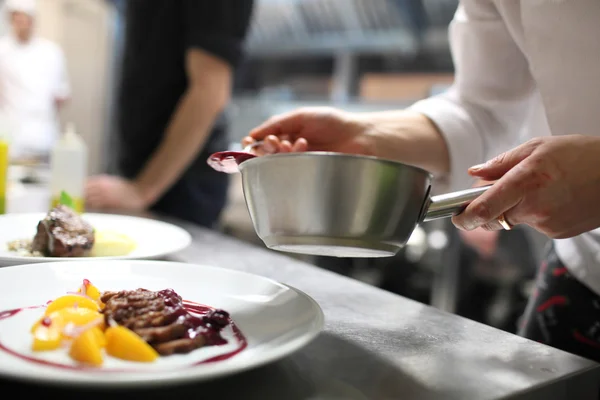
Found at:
(380, 43)
(314, 27)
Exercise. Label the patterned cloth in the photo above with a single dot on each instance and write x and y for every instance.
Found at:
(562, 312)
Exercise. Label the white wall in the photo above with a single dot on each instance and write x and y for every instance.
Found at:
(83, 28)
(3, 21)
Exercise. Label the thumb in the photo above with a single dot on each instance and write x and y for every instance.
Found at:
(498, 166)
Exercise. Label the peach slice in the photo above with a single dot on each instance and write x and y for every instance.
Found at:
(46, 338)
(127, 345)
(100, 338)
(90, 290)
(70, 301)
(86, 348)
(49, 331)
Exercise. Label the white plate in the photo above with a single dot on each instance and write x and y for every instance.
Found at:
(275, 319)
(154, 239)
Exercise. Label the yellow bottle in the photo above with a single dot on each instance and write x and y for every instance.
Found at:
(69, 168)
(4, 162)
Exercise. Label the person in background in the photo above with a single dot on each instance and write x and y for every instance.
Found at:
(522, 68)
(179, 61)
(34, 84)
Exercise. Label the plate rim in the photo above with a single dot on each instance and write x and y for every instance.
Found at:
(42, 260)
(159, 378)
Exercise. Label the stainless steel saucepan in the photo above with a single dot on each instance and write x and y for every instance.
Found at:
(341, 205)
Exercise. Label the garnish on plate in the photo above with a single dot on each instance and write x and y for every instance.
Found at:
(66, 200)
(133, 325)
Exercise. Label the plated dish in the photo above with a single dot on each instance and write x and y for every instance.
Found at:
(141, 322)
(137, 325)
(63, 234)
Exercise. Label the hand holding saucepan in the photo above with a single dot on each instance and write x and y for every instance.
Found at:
(550, 183)
(316, 129)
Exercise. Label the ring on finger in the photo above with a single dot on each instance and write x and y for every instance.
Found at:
(504, 222)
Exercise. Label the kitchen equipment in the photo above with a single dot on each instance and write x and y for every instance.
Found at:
(341, 205)
(309, 27)
(228, 161)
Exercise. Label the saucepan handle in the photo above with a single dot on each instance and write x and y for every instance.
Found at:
(449, 204)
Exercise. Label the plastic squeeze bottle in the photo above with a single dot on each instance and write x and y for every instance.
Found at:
(69, 169)
(4, 161)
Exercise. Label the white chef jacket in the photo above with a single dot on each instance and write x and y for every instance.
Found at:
(32, 77)
(524, 68)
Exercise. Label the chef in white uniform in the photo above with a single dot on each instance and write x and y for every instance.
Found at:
(526, 71)
(33, 84)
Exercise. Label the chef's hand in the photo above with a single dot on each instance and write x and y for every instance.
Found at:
(551, 184)
(104, 192)
(313, 128)
(484, 242)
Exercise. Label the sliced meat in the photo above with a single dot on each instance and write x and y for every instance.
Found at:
(63, 233)
(180, 346)
(161, 334)
(162, 321)
(141, 308)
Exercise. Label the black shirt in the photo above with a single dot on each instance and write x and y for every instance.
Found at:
(158, 35)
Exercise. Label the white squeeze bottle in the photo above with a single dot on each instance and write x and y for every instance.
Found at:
(69, 168)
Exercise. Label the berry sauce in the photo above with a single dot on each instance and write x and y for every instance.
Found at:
(199, 319)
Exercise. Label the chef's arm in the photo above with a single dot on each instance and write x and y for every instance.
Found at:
(209, 89)
(213, 33)
(480, 116)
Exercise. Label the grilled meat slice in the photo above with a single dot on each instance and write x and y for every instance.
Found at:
(63, 233)
(161, 319)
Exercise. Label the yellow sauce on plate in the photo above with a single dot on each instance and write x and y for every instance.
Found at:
(112, 244)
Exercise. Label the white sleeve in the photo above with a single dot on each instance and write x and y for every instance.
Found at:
(482, 114)
(62, 88)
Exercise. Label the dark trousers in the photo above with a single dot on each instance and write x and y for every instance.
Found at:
(562, 312)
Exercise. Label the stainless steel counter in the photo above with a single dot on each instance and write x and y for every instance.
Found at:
(375, 345)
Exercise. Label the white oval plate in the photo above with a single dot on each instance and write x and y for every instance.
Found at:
(275, 319)
(154, 239)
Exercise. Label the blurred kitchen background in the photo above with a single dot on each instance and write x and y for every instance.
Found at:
(355, 54)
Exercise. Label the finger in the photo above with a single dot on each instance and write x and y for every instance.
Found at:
(259, 150)
(288, 123)
(92, 189)
(285, 146)
(505, 194)
(271, 144)
(500, 165)
(482, 182)
(493, 225)
(95, 189)
(247, 141)
(96, 197)
(300, 145)
(93, 201)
